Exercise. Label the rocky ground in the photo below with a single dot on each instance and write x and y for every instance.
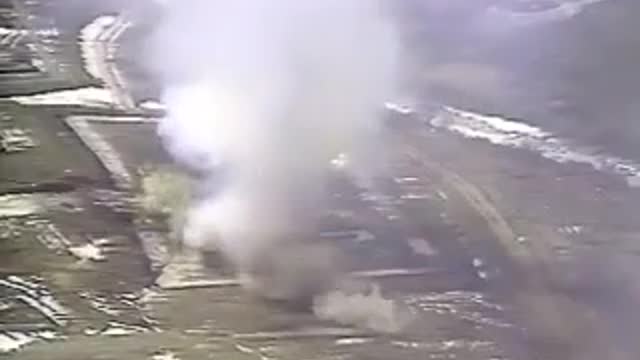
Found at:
(500, 239)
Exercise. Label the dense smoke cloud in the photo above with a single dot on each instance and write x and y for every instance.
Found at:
(267, 93)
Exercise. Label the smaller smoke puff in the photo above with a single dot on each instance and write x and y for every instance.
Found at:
(371, 311)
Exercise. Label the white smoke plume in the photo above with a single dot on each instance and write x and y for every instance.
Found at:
(267, 93)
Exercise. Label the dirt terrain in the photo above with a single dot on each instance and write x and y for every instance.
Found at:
(500, 238)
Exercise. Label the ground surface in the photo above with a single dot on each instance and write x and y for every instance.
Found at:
(528, 242)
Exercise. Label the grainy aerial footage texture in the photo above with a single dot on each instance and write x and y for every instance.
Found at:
(375, 179)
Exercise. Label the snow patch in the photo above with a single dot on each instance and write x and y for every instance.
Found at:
(90, 38)
(399, 108)
(500, 131)
(18, 205)
(4, 31)
(561, 12)
(115, 328)
(12, 341)
(11, 37)
(87, 252)
(165, 355)
(37, 297)
(98, 46)
(152, 105)
(86, 96)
